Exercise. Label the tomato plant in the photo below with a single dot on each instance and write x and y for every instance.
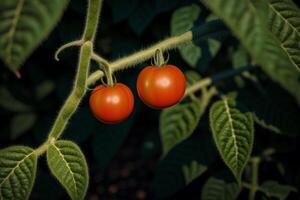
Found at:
(161, 87)
(225, 123)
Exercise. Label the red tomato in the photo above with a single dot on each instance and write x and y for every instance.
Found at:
(111, 104)
(161, 87)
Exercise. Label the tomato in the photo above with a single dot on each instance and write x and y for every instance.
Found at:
(111, 104)
(161, 87)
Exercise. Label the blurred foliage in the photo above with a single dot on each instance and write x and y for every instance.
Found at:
(28, 107)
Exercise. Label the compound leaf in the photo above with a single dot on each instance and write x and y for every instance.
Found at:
(67, 163)
(23, 26)
(232, 128)
(17, 172)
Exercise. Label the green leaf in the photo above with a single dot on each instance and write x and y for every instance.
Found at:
(245, 22)
(274, 189)
(24, 25)
(220, 187)
(179, 121)
(44, 89)
(165, 5)
(271, 109)
(193, 171)
(21, 123)
(174, 171)
(142, 16)
(284, 18)
(183, 20)
(240, 57)
(67, 163)
(17, 172)
(233, 131)
(9, 102)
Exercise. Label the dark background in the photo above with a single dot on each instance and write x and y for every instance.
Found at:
(122, 158)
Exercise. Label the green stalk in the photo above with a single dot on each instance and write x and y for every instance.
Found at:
(92, 20)
(77, 93)
(254, 181)
(198, 34)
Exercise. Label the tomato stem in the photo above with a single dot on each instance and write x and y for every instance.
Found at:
(198, 34)
(159, 59)
(106, 68)
(92, 20)
(216, 79)
(80, 85)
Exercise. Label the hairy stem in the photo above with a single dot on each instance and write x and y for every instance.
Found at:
(92, 20)
(77, 93)
(216, 79)
(254, 180)
(106, 68)
(201, 33)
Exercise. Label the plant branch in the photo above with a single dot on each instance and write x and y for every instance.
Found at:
(209, 29)
(216, 79)
(254, 180)
(77, 93)
(92, 20)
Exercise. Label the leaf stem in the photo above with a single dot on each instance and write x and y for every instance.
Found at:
(42, 149)
(209, 29)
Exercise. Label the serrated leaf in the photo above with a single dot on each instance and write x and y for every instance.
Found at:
(17, 172)
(23, 26)
(193, 171)
(220, 187)
(179, 121)
(21, 123)
(183, 20)
(67, 163)
(274, 189)
(170, 176)
(9, 102)
(284, 18)
(264, 48)
(233, 131)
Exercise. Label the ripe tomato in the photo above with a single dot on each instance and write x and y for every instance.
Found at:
(111, 104)
(161, 87)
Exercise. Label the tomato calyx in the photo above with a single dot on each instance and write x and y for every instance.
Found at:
(159, 59)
